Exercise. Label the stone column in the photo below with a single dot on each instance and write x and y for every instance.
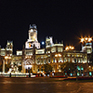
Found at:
(3, 66)
(23, 68)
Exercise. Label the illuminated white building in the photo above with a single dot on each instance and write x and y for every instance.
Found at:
(32, 57)
(8, 51)
(6, 54)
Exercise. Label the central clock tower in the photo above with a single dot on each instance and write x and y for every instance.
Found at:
(32, 37)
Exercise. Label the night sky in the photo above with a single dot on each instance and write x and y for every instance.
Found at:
(65, 20)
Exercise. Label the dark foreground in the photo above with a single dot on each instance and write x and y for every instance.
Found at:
(43, 85)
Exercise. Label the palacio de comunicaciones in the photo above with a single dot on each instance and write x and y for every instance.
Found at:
(33, 57)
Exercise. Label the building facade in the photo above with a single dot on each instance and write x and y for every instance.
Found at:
(33, 58)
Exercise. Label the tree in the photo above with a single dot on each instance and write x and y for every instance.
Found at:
(68, 67)
(91, 58)
(7, 66)
(1, 66)
(1, 63)
(19, 68)
(47, 68)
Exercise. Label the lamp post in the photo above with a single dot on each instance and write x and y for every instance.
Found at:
(76, 69)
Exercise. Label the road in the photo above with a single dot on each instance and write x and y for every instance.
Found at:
(43, 85)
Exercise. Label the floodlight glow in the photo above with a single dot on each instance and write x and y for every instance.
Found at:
(7, 57)
(86, 39)
(31, 30)
(58, 55)
(82, 39)
(66, 48)
(69, 48)
(89, 39)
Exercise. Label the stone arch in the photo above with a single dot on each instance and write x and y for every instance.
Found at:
(28, 63)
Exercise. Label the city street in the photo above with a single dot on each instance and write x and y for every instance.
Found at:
(43, 85)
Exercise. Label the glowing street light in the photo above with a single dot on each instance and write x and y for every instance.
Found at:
(69, 48)
(85, 39)
(82, 39)
(90, 39)
(66, 48)
(7, 57)
(58, 55)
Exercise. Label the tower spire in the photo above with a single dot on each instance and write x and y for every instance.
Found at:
(30, 26)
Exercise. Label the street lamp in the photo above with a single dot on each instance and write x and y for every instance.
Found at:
(90, 39)
(82, 40)
(85, 39)
(76, 69)
(69, 48)
(58, 55)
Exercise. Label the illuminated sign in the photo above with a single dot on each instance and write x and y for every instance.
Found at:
(29, 45)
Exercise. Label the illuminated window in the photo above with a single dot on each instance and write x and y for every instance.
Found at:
(41, 61)
(59, 49)
(53, 50)
(60, 60)
(78, 67)
(65, 60)
(82, 68)
(48, 55)
(81, 60)
(44, 61)
(73, 60)
(29, 45)
(78, 60)
(77, 55)
(68, 55)
(80, 55)
(63, 55)
(48, 52)
(68, 59)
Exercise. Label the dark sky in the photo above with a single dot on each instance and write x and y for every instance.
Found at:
(65, 20)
